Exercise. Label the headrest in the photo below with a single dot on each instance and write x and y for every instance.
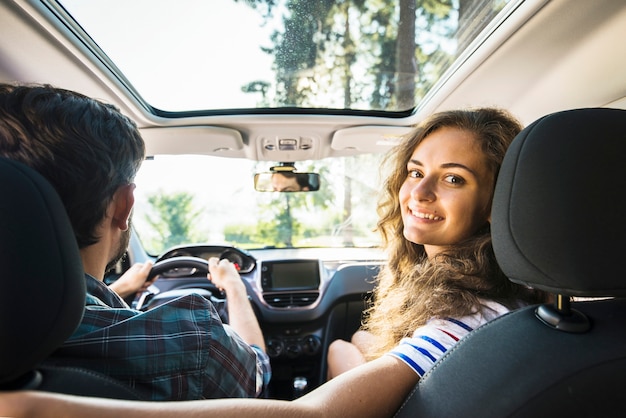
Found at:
(559, 209)
(42, 284)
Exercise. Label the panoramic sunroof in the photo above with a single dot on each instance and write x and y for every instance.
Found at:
(193, 55)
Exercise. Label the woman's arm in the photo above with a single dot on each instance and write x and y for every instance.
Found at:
(376, 389)
(343, 356)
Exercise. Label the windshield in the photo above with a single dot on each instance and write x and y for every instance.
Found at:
(186, 199)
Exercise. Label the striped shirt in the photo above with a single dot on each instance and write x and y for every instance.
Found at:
(431, 341)
(176, 351)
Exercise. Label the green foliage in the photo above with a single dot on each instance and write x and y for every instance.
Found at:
(241, 234)
(173, 218)
(258, 86)
(327, 36)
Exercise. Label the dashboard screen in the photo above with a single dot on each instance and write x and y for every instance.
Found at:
(290, 275)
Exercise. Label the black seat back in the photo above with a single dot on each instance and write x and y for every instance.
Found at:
(42, 288)
(557, 224)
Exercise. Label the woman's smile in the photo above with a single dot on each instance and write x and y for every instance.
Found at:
(425, 215)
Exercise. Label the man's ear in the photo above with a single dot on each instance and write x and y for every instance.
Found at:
(123, 201)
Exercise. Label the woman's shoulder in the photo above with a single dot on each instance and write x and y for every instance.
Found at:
(487, 311)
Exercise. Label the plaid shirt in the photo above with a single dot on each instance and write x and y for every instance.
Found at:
(176, 351)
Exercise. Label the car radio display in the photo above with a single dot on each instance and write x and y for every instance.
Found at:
(290, 275)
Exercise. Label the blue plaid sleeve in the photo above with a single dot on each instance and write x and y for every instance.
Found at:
(264, 369)
(177, 351)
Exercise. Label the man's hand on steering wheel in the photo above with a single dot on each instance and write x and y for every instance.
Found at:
(134, 281)
(224, 275)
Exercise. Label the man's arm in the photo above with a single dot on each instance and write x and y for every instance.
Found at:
(241, 317)
(133, 280)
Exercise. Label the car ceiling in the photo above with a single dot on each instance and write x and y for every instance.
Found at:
(548, 56)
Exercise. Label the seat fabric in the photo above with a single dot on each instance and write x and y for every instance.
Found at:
(42, 288)
(515, 366)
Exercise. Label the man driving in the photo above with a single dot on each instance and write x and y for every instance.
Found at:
(180, 350)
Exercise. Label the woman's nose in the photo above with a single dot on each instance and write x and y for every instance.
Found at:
(424, 190)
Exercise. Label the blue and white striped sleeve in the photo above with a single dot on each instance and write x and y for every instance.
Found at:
(429, 343)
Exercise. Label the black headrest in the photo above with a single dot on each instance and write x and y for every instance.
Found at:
(558, 216)
(42, 285)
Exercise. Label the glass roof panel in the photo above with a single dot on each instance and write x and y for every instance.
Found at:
(192, 55)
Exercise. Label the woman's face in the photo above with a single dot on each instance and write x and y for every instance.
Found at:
(446, 196)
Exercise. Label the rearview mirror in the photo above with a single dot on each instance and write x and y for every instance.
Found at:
(286, 181)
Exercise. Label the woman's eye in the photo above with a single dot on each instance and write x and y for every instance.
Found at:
(415, 174)
(454, 179)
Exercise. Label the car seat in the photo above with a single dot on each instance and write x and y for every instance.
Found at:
(557, 225)
(42, 289)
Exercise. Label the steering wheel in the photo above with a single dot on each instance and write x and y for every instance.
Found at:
(151, 298)
(172, 263)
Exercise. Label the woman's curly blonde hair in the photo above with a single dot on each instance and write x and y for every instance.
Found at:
(413, 289)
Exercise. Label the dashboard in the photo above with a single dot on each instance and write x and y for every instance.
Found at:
(304, 298)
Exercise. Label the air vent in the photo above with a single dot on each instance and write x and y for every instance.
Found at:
(290, 300)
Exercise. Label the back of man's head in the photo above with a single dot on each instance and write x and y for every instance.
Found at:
(85, 148)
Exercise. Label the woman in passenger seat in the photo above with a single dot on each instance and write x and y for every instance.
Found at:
(441, 281)
(434, 220)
